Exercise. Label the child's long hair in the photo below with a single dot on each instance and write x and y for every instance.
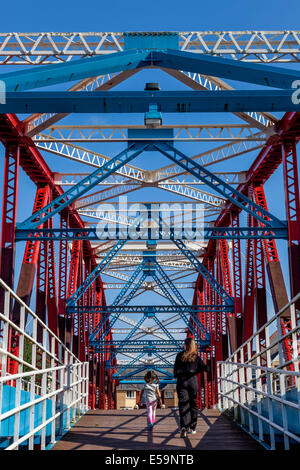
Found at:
(190, 350)
(151, 376)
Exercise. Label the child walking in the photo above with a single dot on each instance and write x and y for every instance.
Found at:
(152, 394)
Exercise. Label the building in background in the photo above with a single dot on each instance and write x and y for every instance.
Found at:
(128, 396)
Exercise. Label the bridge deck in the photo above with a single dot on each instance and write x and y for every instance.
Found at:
(127, 430)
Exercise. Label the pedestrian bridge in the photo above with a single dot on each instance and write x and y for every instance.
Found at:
(199, 245)
(45, 404)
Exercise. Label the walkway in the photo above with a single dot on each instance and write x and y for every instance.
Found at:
(126, 430)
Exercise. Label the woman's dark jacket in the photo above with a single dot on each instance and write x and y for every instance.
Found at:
(185, 370)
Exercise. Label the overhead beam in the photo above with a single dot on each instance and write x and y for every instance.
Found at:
(139, 101)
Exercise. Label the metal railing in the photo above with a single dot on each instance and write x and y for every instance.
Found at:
(259, 385)
(43, 386)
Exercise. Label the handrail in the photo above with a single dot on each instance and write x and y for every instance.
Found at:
(55, 392)
(263, 396)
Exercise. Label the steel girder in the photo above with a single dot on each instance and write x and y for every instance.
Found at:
(75, 296)
(219, 263)
(266, 75)
(141, 308)
(210, 233)
(218, 185)
(138, 102)
(206, 274)
(56, 47)
(69, 196)
(141, 345)
(182, 133)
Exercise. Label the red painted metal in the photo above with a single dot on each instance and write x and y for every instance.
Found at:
(9, 213)
(281, 147)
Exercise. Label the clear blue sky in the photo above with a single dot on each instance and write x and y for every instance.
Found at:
(141, 15)
(134, 15)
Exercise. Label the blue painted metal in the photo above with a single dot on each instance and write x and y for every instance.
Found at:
(131, 364)
(135, 58)
(200, 331)
(149, 262)
(216, 183)
(206, 274)
(151, 40)
(199, 327)
(138, 102)
(95, 273)
(276, 232)
(166, 362)
(122, 367)
(7, 425)
(242, 71)
(87, 183)
(129, 374)
(149, 134)
(165, 330)
(171, 285)
(153, 116)
(143, 345)
(37, 77)
(142, 369)
(103, 327)
(126, 339)
(141, 381)
(142, 50)
(141, 308)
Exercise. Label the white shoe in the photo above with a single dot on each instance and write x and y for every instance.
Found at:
(192, 431)
(183, 432)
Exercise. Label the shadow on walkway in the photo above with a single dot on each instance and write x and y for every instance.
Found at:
(127, 430)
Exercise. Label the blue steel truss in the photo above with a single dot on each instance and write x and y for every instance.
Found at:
(200, 331)
(78, 190)
(142, 369)
(143, 345)
(111, 309)
(104, 326)
(139, 53)
(131, 59)
(206, 274)
(139, 102)
(95, 273)
(277, 231)
(217, 184)
(149, 263)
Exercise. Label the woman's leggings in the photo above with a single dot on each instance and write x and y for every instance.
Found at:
(187, 401)
(151, 410)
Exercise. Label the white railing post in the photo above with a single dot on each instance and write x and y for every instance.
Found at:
(250, 386)
(64, 379)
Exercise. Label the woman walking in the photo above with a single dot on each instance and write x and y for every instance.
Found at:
(152, 394)
(187, 365)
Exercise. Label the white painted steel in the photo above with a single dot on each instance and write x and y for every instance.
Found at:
(251, 388)
(47, 370)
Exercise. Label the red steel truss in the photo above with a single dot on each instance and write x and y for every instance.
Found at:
(262, 261)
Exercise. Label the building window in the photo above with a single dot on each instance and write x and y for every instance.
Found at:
(169, 394)
(130, 394)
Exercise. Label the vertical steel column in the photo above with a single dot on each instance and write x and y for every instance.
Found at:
(62, 278)
(7, 253)
(52, 287)
(237, 269)
(81, 317)
(9, 213)
(292, 204)
(42, 285)
(234, 334)
(31, 255)
(249, 296)
(276, 280)
(72, 286)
